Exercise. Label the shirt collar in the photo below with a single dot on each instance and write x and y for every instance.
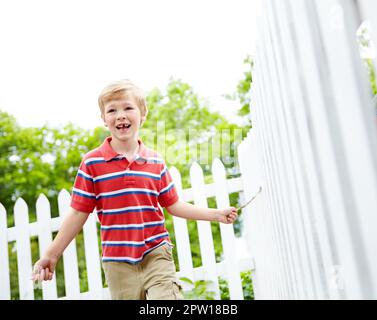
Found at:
(109, 153)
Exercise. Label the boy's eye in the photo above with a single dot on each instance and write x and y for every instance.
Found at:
(111, 110)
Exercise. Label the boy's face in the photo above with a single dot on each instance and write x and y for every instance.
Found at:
(123, 118)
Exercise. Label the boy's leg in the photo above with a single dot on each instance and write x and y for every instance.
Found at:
(160, 275)
(124, 280)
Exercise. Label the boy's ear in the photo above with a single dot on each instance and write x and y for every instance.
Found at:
(144, 117)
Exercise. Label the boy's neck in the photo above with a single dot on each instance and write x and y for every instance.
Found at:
(129, 147)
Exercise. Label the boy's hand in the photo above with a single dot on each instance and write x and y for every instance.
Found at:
(227, 215)
(44, 269)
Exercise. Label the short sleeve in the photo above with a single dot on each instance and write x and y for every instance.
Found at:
(83, 196)
(168, 193)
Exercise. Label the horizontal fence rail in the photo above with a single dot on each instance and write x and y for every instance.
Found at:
(235, 255)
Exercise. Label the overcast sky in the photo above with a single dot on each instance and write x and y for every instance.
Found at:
(56, 56)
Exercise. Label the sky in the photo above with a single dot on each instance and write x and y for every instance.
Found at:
(56, 56)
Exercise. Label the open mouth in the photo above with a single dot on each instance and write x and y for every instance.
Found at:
(123, 126)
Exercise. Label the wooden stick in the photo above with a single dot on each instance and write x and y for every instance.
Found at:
(247, 203)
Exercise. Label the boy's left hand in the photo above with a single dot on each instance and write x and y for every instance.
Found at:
(227, 215)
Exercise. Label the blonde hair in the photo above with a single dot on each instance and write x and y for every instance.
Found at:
(120, 89)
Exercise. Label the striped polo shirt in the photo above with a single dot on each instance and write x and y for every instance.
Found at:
(127, 198)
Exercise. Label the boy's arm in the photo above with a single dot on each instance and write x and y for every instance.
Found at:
(71, 226)
(186, 210)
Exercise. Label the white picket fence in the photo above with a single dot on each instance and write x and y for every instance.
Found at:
(235, 257)
(313, 149)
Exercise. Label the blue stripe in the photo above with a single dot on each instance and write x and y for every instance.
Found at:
(132, 228)
(127, 175)
(102, 161)
(167, 190)
(129, 210)
(86, 178)
(122, 260)
(122, 228)
(163, 236)
(109, 178)
(154, 161)
(125, 193)
(84, 195)
(143, 175)
(122, 245)
(89, 163)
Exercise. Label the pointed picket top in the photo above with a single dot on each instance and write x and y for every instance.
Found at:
(3, 222)
(42, 201)
(21, 221)
(176, 175)
(4, 258)
(3, 212)
(63, 195)
(20, 211)
(198, 184)
(45, 238)
(218, 169)
(43, 213)
(196, 171)
(64, 199)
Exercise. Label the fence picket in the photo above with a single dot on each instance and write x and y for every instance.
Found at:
(45, 238)
(92, 257)
(4, 257)
(182, 237)
(204, 229)
(227, 232)
(21, 219)
(71, 275)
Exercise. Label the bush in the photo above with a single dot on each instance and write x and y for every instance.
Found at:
(200, 290)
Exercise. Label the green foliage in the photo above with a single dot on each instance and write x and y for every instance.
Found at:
(199, 291)
(183, 130)
(45, 158)
(200, 288)
(247, 287)
(369, 65)
(242, 94)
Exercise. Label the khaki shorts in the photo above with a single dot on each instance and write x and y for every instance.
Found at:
(154, 278)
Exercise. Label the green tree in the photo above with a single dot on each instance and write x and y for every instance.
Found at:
(181, 127)
(242, 94)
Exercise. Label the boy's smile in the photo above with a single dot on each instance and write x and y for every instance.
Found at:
(123, 118)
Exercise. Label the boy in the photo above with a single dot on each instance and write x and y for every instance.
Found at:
(127, 183)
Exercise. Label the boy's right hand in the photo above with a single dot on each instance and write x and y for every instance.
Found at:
(44, 269)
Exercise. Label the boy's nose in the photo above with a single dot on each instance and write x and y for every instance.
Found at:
(121, 115)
